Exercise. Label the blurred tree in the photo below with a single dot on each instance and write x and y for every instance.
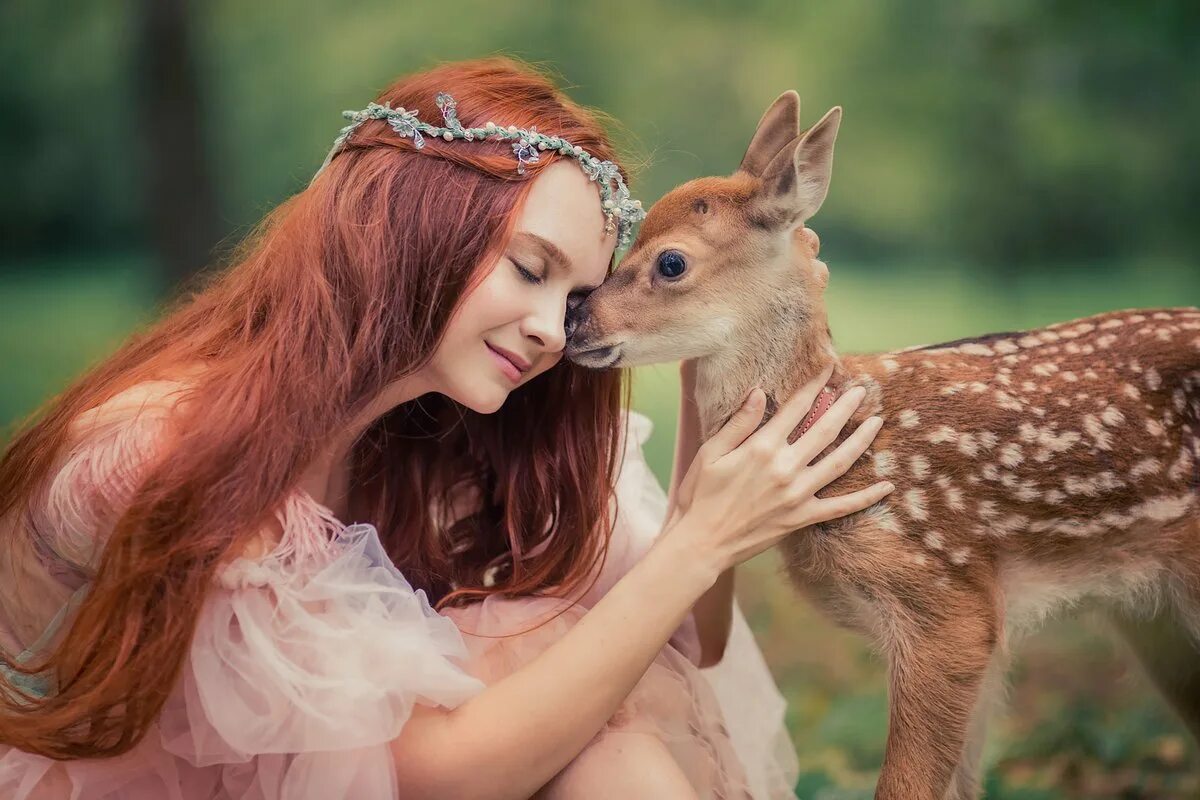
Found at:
(180, 202)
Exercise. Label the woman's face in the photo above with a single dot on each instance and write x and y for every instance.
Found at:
(557, 254)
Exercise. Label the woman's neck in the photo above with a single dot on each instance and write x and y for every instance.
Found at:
(327, 477)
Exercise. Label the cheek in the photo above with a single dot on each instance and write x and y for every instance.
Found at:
(494, 302)
(544, 364)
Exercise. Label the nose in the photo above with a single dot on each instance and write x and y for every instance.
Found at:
(547, 328)
(813, 241)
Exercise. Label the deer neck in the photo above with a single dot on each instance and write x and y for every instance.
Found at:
(780, 347)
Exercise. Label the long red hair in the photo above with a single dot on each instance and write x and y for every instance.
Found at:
(342, 289)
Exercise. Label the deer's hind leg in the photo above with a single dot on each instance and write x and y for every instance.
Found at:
(1167, 645)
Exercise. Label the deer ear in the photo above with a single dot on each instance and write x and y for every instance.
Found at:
(794, 184)
(778, 126)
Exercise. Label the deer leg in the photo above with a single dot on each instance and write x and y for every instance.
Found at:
(938, 662)
(1167, 648)
(964, 784)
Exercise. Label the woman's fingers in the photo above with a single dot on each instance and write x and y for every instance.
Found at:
(823, 509)
(836, 463)
(740, 425)
(795, 409)
(827, 428)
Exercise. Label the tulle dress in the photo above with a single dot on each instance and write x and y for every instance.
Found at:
(307, 662)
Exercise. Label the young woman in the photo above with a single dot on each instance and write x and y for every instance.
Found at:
(183, 611)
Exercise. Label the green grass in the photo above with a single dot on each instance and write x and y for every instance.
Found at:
(1080, 724)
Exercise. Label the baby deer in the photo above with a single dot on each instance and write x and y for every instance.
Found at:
(1033, 469)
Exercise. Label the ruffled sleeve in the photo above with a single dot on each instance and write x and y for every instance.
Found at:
(304, 665)
(317, 652)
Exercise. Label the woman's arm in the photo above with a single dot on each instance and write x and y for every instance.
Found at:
(713, 612)
(513, 737)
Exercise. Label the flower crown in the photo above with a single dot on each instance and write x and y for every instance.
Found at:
(621, 211)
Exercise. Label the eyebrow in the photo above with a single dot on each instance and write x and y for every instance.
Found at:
(552, 252)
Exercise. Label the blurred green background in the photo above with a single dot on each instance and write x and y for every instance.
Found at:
(1002, 164)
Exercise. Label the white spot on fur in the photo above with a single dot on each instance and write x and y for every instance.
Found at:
(1181, 467)
(1112, 416)
(1010, 455)
(890, 364)
(960, 556)
(987, 439)
(914, 501)
(1154, 428)
(1153, 379)
(1054, 497)
(1147, 466)
(885, 463)
(954, 498)
(987, 509)
(967, 444)
(1045, 369)
(909, 418)
(1084, 486)
(943, 433)
(1095, 429)
(933, 540)
(1164, 508)
(1110, 324)
(919, 466)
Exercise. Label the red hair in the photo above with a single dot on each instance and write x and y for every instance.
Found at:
(343, 289)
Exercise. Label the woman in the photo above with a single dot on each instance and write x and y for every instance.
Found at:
(183, 612)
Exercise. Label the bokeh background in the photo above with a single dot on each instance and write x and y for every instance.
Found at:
(1002, 164)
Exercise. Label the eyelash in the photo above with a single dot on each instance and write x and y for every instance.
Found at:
(526, 274)
(574, 299)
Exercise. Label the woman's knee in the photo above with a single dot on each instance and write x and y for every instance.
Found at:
(636, 766)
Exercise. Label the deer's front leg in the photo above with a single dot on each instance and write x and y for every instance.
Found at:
(938, 662)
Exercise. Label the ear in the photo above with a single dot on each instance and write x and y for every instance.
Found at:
(778, 126)
(794, 184)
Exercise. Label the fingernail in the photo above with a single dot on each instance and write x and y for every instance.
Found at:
(756, 397)
(875, 420)
(889, 486)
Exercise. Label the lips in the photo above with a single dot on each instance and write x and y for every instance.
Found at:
(512, 364)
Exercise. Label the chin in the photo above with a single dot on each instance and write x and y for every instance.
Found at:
(483, 400)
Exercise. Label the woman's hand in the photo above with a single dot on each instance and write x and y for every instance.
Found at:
(747, 488)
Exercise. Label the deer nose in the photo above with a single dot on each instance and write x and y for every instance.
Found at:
(814, 241)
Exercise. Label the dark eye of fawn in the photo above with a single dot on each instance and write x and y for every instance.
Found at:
(671, 264)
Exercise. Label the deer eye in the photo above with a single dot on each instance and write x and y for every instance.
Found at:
(671, 264)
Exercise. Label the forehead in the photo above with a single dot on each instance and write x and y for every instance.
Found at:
(677, 208)
(563, 206)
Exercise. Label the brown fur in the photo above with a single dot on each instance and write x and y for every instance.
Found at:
(1033, 469)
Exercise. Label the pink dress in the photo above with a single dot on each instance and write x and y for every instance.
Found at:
(307, 662)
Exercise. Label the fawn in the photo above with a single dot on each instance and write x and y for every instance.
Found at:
(1033, 469)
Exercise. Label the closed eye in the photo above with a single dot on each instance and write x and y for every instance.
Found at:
(526, 274)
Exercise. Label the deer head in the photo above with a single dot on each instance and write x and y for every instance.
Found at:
(721, 261)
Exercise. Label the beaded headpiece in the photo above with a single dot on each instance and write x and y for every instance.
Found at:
(621, 211)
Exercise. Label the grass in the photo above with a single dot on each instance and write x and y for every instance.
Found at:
(1080, 723)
